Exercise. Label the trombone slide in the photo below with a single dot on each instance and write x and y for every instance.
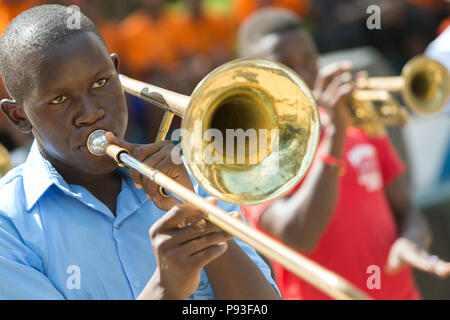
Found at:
(316, 275)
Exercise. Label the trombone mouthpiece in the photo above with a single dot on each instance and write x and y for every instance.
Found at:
(96, 142)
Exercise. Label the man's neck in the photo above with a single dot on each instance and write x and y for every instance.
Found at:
(105, 187)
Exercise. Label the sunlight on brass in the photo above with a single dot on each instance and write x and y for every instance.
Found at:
(5, 161)
(244, 94)
(424, 85)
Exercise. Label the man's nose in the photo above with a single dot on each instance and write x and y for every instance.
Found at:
(90, 114)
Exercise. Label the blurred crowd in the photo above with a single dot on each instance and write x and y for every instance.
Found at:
(175, 43)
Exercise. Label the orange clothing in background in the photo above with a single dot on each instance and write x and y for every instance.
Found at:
(110, 33)
(145, 43)
(241, 9)
(196, 35)
(10, 9)
(444, 25)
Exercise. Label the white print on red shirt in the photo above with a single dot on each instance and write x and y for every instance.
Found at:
(363, 158)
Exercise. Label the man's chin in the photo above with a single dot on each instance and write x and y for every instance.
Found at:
(98, 165)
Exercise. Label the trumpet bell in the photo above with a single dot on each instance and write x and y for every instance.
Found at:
(427, 85)
(254, 129)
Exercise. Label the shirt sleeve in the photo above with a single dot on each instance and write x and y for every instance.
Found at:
(390, 162)
(244, 246)
(21, 270)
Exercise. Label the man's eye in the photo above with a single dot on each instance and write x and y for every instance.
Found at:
(100, 83)
(58, 100)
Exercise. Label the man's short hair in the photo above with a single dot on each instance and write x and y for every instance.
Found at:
(264, 22)
(30, 33)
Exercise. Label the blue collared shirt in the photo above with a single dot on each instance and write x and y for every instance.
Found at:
(58, 241)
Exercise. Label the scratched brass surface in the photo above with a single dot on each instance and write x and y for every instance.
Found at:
(246, 94)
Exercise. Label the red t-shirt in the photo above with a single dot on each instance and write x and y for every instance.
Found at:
(362, 228)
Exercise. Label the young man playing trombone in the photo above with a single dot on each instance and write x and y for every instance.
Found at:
(72, 225)
(351, 214)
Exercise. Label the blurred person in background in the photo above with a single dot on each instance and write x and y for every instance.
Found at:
(439, 50)
(352, 211)
(16, 143)
(407, 26)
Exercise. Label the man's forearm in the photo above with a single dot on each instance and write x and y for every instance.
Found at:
(416, 228)
(154, 291)
(235, 276)
(411, 223)
(300, 220)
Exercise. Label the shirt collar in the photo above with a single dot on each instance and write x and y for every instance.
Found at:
(39, 175)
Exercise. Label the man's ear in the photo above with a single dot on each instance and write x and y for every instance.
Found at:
(15, 115)
(115, 59)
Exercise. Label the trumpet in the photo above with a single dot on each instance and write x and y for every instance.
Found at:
(424, 85)
(5, 161)
(242, 94)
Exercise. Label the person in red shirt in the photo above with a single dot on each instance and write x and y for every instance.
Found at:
(351, 213)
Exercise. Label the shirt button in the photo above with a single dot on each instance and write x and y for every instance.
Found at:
(137, 283)
(116, 227)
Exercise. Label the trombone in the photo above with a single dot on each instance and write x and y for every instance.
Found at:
(424, 85)
(5, 161)
(242, 94)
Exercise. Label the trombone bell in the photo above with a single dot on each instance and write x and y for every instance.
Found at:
(275, 112)
(249, 130)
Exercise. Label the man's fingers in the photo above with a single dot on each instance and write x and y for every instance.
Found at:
(327, 73)
(162, 162)
(176, 216)
(212, 200)
(194, 219)
(236, 215)
(343, 93)
(361, 75)
(153, 161)
(198, 244)
(194, 230)
(335, 85)
(202, 258)
(441, 269)
(151, 155)
(112, 139)
(393, 265)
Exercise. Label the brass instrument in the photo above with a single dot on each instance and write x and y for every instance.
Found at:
(424, 85)
(246, 94)
(5, 161)
(375, 113)
(242, 94)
